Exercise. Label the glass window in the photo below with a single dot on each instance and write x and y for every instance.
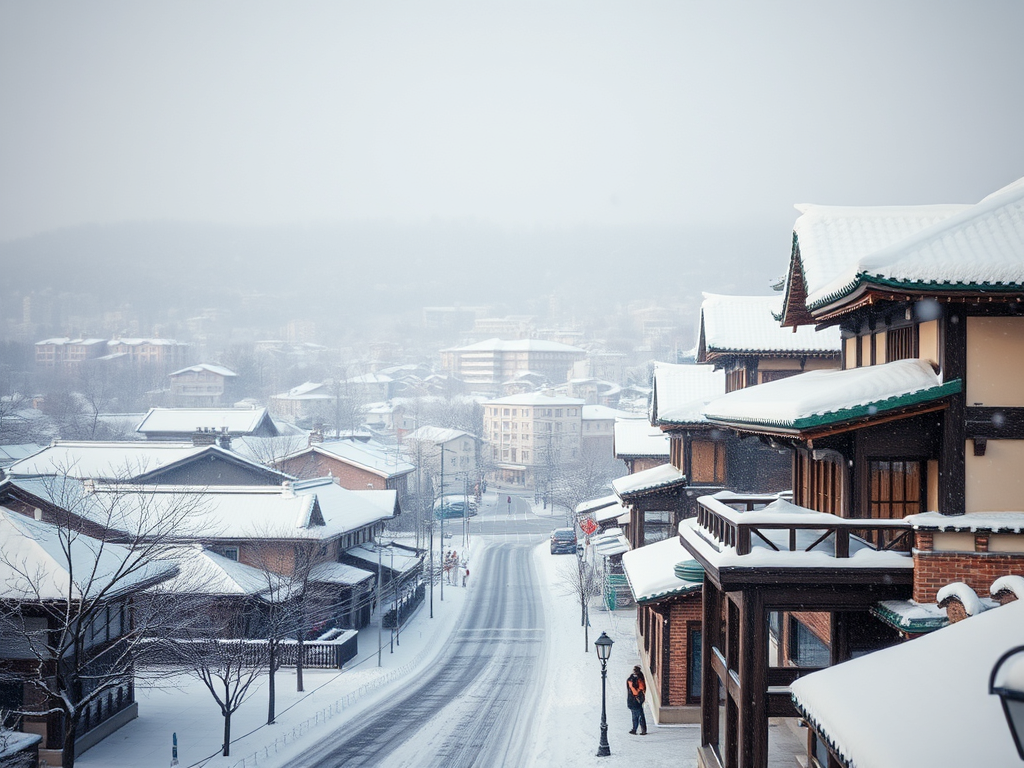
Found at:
(694, 662)
(805, 648)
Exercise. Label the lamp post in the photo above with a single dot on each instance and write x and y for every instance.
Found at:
(603, 645)
(1007, 682)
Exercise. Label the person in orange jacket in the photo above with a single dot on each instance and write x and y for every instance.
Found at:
(636, 692)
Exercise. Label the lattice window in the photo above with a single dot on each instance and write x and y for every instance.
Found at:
(901, 343)
(896, 489)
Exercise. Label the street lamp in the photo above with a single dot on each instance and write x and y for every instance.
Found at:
(1007, 681)
(603, 645)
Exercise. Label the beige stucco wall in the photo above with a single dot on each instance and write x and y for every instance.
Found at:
(1006, 542)
(820, 364)
(995, 481)
(928, 341)
(995, 361)
(879, 347)
(953, 541)
(850, 352)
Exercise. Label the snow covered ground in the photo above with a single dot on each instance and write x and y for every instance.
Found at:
(567, 728)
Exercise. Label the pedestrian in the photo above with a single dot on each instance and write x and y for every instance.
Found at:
(465, 574)
(636, 690)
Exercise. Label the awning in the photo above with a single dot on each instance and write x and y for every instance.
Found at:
(338, 573)
(657, 478)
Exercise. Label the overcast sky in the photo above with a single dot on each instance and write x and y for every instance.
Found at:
(538, 114)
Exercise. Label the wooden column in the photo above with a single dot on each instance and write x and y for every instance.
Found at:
(952, 466)
(712, 629)
(753, 703)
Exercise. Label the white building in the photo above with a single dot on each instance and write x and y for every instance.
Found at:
(528, 434)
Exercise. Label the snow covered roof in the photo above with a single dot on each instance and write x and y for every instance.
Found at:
(828, 240)
(12, 453)
(239, 421)
(653, 479)
(518, 345)
(537, 398)
(977, 247)
(374, 457)
(908, 616)
(601, 413)
(611, 542)
(680, 392)
(220, 370)
(781, 512)
(749, 324)
(821, 398)
(616, 512)
(370, 378)
(650, 570)
(339, 573)
(636, 437)
(437, 435)
(405, 560)
(311, 390)
(585, 507)
(206, 573)
(103, 460)
(941, 678)
(40, 564)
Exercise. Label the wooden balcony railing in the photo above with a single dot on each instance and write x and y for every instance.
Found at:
(726, 519)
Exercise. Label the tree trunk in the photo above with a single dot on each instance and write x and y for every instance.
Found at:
(67, 759)
(271, 688)
(227, 734)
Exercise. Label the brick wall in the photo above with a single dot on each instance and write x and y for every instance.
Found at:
(310, 465)
(934, 570)
(682, 611)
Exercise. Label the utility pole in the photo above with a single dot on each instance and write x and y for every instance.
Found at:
(380, 618)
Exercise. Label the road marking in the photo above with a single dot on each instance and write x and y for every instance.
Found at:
(502, 629)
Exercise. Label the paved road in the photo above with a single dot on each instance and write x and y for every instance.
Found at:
(474, 706)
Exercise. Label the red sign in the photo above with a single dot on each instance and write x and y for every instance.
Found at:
(588, 526)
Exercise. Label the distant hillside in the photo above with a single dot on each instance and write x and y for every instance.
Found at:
(358, 271)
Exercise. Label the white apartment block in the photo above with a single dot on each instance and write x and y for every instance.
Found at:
(528, 434)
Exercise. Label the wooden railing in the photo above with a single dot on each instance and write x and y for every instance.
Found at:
(723, 518)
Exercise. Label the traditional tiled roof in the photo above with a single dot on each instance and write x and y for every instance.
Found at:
(637, 438)
(823, 398)
(732, 325)
(941, 678)
(680, 392)
(977, 248)
(650, 571)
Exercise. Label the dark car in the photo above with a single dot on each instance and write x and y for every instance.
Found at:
(563, 541)
(453, 507)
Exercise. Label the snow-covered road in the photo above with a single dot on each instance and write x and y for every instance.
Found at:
(473, 705)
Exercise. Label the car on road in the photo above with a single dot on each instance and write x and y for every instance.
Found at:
(453, 507)
(563, 541)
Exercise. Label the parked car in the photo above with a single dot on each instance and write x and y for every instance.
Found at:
(453, 507)
(563, 541)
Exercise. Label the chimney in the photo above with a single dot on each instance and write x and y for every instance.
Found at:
(287, 490)
(224, 439)
(203, 437)
(316, 435)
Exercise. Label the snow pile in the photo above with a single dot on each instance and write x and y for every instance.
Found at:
(1011, 583)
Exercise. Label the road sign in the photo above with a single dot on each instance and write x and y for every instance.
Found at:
(588, 526)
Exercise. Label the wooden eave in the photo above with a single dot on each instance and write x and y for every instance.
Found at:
(867, 295)
(833, 429)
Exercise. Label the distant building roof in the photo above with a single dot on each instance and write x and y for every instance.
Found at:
(537, 398)
(601, 413)
(185, 421)
(374, 457)
(518, 345)
(437, 435)
(220, 370)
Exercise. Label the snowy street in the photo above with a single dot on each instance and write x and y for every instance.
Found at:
(498, 677)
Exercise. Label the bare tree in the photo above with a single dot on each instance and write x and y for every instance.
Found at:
(70, 600)
(580, 580)
(581, 480)
(228, 669)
